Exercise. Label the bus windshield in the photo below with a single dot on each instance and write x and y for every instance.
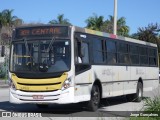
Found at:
(47, 56)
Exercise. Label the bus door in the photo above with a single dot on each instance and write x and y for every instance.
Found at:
(82, 67)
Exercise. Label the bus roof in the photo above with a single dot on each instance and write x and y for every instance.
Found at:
(103, 34)
(93, 32)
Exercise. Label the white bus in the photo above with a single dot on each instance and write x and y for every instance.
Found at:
(55, 64)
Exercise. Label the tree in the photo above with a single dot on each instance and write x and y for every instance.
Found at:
(17, 22)
(7, 23)
(94, 22)
(1, 20)
(148, 34)
(60, 20)
(1, 24)
(8, 18)
(122, 28)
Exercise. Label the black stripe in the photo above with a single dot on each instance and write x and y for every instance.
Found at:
(83, 83)
(39, 91)
(38, 84)
(127, 81)
(39, 100)
(149, 79)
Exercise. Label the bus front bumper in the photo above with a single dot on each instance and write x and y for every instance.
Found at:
(55, 97)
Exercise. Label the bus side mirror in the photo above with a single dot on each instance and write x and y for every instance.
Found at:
(2, 51)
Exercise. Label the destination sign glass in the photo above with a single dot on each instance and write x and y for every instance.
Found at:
(42, 31)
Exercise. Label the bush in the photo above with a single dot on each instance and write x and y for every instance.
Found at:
(152, 105)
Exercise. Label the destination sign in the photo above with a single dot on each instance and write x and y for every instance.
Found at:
(42, 31)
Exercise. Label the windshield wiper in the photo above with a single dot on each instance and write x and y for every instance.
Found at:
(51, 43)
(28, 52)
(26, 46)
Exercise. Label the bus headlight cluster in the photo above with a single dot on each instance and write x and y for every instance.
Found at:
(11, 84)
(66, 84)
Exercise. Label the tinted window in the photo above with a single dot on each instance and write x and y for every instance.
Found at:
(98, 57)
(133, 49)
(111, 58)
(98, 51)
(134, 59)
(152, 52)
(85, 57)
(123, 48)
(111, 46)
(143, 60)
(152, 57)
(143, 51)
(97, 44)
(123, 58)
(111, 52)
(152, 61)
(134, 54)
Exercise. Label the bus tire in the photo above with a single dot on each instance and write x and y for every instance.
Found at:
(42, 105)
(95, 98)
(139, 92)
(137, 97)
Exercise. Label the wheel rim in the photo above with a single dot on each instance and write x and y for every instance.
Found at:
(95, 97)
(140, 93)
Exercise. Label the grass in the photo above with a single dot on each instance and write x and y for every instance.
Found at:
(152, 105)
(151, 108)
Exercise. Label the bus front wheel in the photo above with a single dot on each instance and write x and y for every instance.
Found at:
(95, 98)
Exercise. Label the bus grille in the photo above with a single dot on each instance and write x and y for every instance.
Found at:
(47, 87)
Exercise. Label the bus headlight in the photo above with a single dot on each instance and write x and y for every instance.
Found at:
(11, 84)
(66, 84)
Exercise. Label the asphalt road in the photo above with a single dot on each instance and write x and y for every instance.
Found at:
(110, 107)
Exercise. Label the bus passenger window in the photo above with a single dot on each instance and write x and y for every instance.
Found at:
(111, 52)
(83, 56)
(98, 51)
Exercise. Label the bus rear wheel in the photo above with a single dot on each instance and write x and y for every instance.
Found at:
(139, 92)
(95, 98)
(137, 97)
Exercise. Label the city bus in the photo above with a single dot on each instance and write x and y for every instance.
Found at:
(60, 64)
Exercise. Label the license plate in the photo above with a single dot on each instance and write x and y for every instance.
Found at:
(38, 97)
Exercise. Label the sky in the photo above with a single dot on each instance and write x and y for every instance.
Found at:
(138, 13)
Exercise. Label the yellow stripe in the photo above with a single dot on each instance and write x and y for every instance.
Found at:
(94, 32)
(39, 83)
(39, 88)
(99, 33)
(90, 31)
